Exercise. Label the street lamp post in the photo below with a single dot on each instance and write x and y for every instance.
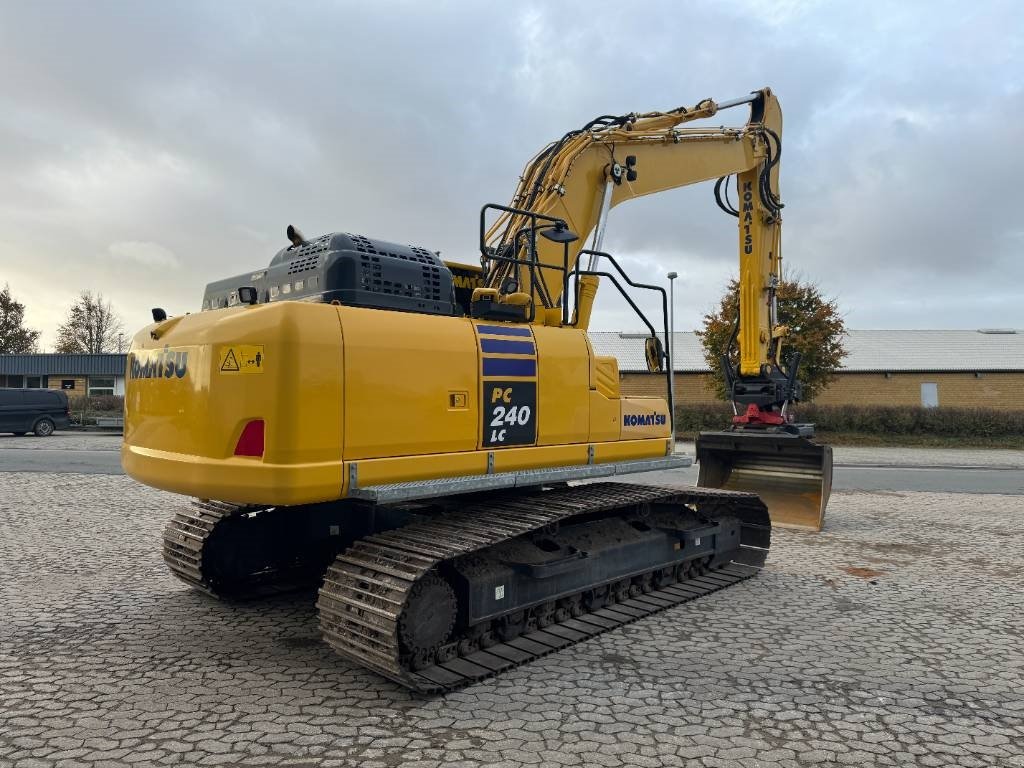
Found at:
(670, 342)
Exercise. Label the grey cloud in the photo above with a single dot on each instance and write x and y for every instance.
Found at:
(207, 128)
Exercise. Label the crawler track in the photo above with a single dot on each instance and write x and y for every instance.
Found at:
(185, 537)
(367, 588)
(239, 552)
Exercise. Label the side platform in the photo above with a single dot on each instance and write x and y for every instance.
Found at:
(451, 486)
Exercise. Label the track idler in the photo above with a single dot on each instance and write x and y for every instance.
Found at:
(791, 474)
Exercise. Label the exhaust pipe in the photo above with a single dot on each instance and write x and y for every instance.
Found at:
(791, 474)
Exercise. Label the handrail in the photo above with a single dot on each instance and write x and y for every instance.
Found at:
(531, 264)
(667, 351)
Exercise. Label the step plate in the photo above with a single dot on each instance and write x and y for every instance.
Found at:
(449, 486)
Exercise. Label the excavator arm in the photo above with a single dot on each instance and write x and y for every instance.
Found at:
(581, 177)
(575, 182)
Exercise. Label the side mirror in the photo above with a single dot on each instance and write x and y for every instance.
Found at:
(559, 232)
(655, 354)
(247, 295)
(159, 315)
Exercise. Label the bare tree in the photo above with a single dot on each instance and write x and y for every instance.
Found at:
(92, 326)
(14, 336)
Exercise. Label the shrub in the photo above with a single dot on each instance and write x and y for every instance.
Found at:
(85, 410)
(106, 403)
(875, 420)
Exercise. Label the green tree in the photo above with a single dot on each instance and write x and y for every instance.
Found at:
(92, 326)
(816, 330)
(14, 336)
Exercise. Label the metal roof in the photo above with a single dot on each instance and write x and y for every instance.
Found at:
(628, 349)
(63, 365)
(867, 351)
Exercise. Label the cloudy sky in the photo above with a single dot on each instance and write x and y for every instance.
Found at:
(148, 148)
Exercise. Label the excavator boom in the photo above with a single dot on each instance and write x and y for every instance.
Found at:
(580, 178)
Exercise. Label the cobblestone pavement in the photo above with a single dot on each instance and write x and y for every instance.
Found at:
(894, 638)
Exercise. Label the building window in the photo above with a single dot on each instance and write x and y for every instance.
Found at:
(929, 395)
(11, 381)
(67, 383)
(34, 382)
(101, 385)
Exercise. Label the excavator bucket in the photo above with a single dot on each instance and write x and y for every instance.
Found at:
(791, 474)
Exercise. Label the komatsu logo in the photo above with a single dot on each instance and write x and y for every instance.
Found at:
(644, 419)
(748, 216)
(466, 281)
(163, 363)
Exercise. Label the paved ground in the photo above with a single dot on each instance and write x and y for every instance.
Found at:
(63, 441)
(844, 455)
(892, 639)
(864, 456)
(893, 469)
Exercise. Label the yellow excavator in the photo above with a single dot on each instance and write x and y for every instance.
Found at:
(412, 435)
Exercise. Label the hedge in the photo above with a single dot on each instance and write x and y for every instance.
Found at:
(84, 410)
(875, 420)
(98, 403)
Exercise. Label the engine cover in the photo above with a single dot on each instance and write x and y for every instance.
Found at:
(350, 269)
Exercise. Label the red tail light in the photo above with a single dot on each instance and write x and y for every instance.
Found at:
(250, 442)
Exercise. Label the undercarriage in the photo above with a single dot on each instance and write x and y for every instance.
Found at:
(438, 594)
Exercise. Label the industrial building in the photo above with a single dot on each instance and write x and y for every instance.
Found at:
(960, 369)
(78, 375)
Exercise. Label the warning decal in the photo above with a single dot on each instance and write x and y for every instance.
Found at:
(241, 358)
(230, 361)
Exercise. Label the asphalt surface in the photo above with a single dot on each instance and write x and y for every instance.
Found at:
(940, 471)
(59, 461)
(936, 479)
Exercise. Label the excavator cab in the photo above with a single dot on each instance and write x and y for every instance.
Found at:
(791, 474)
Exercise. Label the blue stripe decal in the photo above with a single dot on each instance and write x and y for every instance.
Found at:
(504, 330)
(507, 347)
(507, 366)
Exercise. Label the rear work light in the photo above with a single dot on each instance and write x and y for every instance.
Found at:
(250, 442)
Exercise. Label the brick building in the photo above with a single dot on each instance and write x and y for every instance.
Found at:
(78, 375)
(965, 369)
